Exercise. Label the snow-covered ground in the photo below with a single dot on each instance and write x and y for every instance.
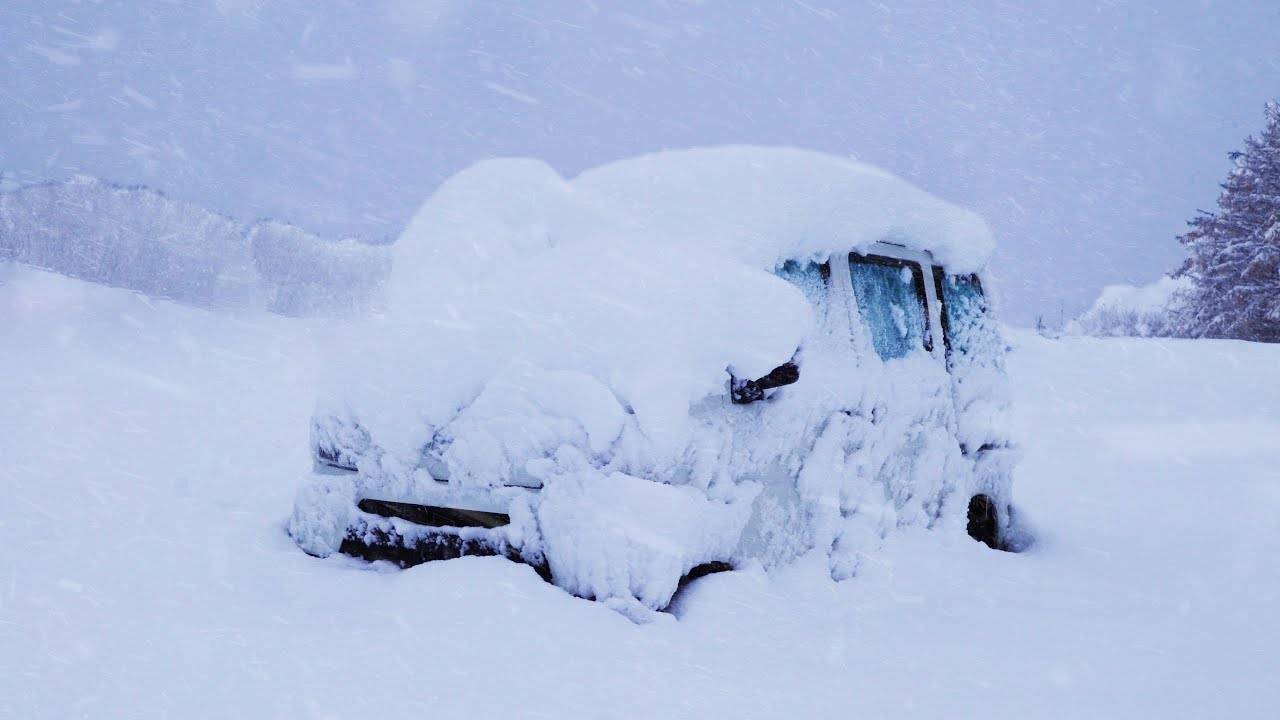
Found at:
(151, 452)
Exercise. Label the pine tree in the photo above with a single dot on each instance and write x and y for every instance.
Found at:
(1235, 252)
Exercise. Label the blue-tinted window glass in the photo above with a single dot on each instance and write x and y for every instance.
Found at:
(810, 277)
(965, 306)
(889, 300)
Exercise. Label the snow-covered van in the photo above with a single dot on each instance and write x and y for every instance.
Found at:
(671, 364)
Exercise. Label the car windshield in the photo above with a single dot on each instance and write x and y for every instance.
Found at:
(890, 296)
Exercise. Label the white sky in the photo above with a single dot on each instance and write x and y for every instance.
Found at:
(1086, 133)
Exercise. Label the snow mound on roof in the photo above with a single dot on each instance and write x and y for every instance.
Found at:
(765, 205)
(758, 205)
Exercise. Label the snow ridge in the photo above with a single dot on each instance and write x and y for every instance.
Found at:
(137, 238)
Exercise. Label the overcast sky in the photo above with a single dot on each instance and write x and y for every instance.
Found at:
(1086, 133)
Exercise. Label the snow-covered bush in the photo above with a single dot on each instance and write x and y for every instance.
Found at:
(1136, 311)
(130, 237)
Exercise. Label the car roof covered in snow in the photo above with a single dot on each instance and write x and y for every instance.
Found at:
(766, 205)
(760, 206)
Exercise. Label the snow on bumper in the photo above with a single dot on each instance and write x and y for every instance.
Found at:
(607, 536)
(326, 511)
(619, 537)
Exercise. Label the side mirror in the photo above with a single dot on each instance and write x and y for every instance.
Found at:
(749, 391)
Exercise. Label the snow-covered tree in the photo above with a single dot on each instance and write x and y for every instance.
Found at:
(1235, 251)
(1151, 310)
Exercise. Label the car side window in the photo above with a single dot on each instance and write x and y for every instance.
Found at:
(963, 308)
(891, 300)
(810, 277)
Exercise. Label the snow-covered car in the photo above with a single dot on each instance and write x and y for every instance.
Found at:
(672, 364)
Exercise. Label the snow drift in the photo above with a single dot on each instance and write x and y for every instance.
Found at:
(136, 238)
(302, 274)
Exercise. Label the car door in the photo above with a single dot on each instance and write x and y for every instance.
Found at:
(905, 457)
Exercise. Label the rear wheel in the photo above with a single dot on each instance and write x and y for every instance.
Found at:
(984, 521)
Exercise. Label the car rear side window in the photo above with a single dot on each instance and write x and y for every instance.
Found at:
(891, 299)
(963, 309)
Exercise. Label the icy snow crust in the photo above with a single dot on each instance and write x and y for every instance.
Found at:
(579, 335)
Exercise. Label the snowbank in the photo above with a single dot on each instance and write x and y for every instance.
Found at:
(303, 274)
(130, 237)
(136, 238)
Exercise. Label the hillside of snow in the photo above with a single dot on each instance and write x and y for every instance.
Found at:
(140, 239)
(152, 450)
